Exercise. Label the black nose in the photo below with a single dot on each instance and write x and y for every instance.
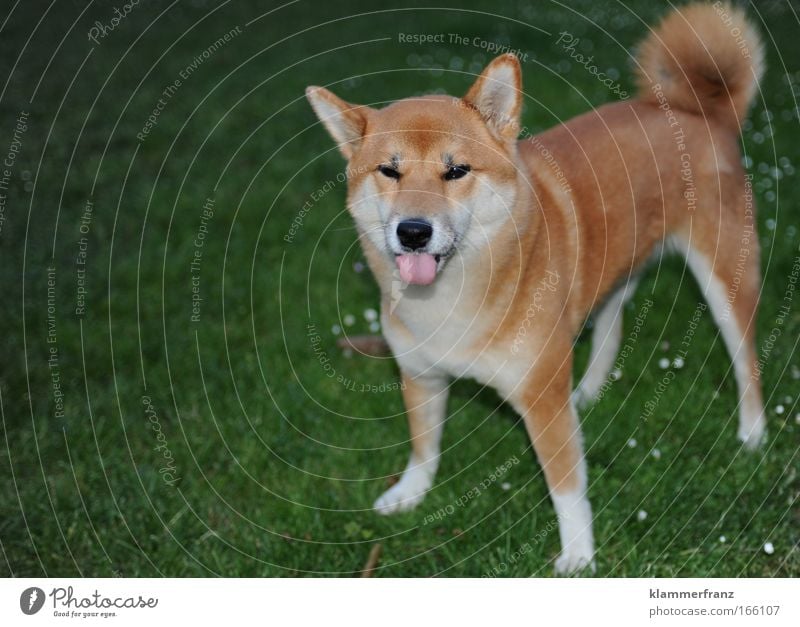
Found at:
(414, 233)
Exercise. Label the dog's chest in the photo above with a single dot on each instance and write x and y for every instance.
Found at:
(448, 334)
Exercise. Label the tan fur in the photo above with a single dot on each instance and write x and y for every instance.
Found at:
(533, 256)
(708, 59)
(424, 429)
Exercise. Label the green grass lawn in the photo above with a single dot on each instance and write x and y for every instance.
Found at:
(152, 444)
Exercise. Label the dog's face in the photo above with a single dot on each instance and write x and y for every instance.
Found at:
(434, 176)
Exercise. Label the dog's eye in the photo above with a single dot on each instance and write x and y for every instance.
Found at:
(456, 172)
(389, 171)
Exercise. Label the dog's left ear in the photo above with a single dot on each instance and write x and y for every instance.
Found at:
(497, 95)
(345, 122)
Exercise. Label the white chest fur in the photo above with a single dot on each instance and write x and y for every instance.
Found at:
(447, 328)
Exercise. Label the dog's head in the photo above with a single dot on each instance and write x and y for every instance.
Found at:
(430, 176)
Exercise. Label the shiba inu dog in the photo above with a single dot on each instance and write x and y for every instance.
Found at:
(504, 246)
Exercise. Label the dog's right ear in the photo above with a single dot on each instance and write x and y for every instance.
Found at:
(345, 122)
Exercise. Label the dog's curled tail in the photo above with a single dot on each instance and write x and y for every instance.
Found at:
(702, 58)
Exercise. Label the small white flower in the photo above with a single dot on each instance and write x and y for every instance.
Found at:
(779, 409)
(797, 418)
(656, 453)
(768, 548)
(616, 374)
(375, 326)
(370, 315)
(678, 362)
(632, 443)
(641, 516)
(723, 539)
(336, 329)
(505, 485)
(787, 399)
(349, 320)
(663, 363)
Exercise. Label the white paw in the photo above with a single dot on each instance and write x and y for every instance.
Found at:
(589, 388)
(402, 497)
(572, 562)
(581, 398)
(753, 437)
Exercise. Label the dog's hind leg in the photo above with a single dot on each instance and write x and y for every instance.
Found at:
(425, 399)
(728, 276)
(606, 339)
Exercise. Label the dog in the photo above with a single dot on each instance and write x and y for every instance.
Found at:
(504, 245)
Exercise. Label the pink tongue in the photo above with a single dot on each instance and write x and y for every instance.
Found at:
(418, 269)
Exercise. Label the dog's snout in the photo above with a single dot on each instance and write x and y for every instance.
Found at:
(414, 233)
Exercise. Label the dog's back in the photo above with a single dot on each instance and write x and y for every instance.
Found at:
(615, 175)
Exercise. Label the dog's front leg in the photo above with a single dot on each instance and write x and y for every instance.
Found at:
(426, 404)
(544, 402)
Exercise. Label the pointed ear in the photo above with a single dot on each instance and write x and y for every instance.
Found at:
(497, 95)
(345, 122)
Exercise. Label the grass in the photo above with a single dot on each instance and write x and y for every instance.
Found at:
(275, 463)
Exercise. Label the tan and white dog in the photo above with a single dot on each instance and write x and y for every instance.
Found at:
(504, 246)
